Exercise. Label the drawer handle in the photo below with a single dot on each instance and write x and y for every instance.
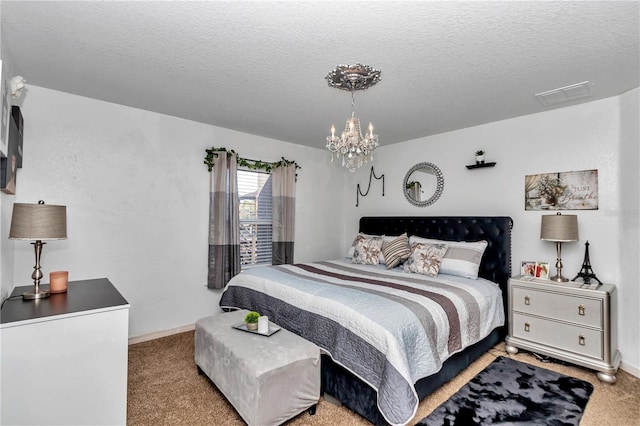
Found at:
(526, 326)
(581, 310)
(527, 300)
(581, 341)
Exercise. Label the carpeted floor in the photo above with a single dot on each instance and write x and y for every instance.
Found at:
(165, 389)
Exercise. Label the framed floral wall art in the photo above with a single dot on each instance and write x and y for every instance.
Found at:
(562, 191)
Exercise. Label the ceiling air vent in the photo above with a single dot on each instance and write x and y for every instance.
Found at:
(565, 94)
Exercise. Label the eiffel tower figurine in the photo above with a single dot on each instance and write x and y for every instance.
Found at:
(586, 273)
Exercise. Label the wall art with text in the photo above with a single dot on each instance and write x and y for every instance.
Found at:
(562, 191)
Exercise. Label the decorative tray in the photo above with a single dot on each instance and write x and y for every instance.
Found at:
(272, 329)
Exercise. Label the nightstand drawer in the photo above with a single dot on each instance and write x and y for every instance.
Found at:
(565, 307)
(581, 340)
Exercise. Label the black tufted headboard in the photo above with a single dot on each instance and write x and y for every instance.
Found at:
(496, 230)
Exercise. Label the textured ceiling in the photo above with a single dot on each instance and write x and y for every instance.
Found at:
(259, 67)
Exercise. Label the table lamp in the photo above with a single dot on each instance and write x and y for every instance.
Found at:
(38, 222)
(559, 229)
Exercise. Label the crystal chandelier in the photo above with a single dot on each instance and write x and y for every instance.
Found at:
(354, 148)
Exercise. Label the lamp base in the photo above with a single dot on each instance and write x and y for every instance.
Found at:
(35, 294)
(559, 279)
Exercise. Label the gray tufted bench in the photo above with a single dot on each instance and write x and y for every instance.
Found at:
(268, 380)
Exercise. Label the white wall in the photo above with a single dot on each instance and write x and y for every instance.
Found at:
(629, 216)
(582, 137)
(137, 197)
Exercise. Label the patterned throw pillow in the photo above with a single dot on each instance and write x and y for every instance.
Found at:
(396, 251)
(425, 259)
(361, 236)
(367, 251)
(462, 258)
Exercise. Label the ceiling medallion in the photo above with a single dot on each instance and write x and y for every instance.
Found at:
(353, 77)
(354, 148)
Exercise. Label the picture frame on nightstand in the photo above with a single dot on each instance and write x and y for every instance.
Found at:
(542, 270)
(528, 268)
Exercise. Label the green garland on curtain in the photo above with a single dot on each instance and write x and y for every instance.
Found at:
(245, 162)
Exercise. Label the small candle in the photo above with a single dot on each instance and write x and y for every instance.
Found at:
(58, 281)
(263, 324)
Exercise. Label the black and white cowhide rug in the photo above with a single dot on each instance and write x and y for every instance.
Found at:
(509, 392)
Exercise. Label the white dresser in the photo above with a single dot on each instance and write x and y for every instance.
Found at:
(64, 358)
(565, 321)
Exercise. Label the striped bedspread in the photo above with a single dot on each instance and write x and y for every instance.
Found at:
(389, 328)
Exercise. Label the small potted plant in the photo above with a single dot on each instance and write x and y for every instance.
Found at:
(251, 319)
(479, 156)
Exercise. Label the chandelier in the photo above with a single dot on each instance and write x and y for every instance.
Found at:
(354, 148)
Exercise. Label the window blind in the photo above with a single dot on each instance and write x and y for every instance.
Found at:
(255, 204)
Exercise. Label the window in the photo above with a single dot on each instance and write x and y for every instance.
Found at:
(255, 204)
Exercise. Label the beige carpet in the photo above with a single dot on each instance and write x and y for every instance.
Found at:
(165, 389)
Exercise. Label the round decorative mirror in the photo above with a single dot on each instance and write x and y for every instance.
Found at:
(423, 184)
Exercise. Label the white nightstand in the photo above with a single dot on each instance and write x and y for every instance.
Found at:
(565, 321)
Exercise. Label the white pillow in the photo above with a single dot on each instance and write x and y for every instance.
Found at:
(462, 258)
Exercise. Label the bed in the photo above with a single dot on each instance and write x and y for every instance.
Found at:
(381, 354)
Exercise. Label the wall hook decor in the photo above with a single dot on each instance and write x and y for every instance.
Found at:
(372, 174)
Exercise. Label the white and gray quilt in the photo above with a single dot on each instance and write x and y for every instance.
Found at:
(388, 327)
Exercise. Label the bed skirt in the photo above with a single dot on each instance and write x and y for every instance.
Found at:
(357, 396)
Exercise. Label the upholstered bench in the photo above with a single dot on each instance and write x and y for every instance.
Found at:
(268, 379)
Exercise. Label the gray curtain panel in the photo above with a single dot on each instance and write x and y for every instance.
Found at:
(284, 210)
(224, 222)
